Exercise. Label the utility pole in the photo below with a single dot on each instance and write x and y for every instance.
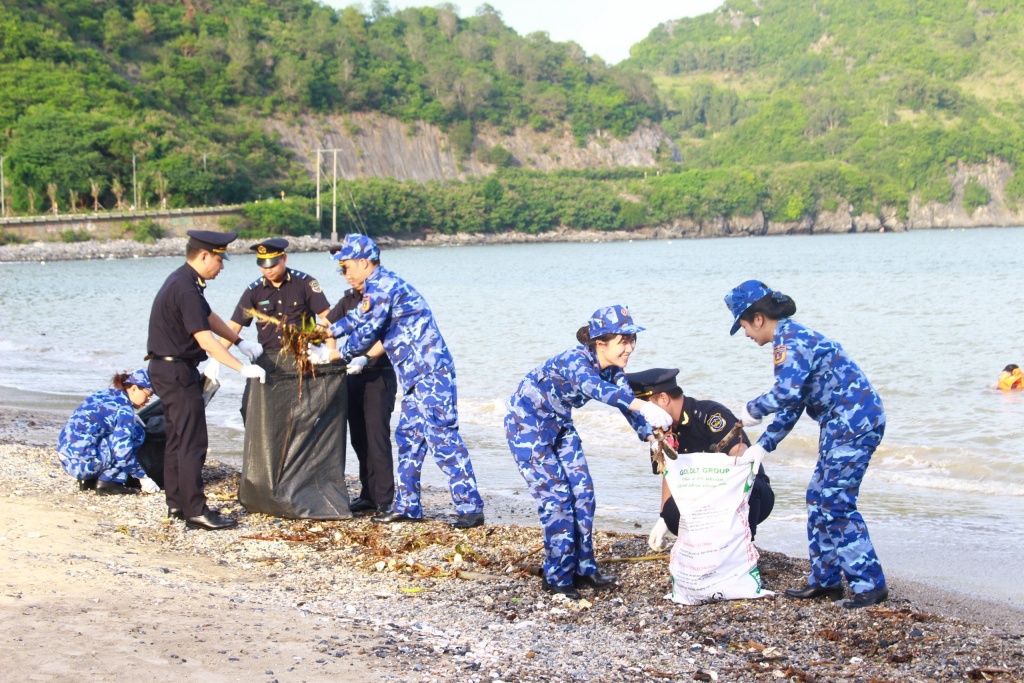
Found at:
(135, 191)
(204, 162)
(334, 201)
(334, 190)
(3, 199)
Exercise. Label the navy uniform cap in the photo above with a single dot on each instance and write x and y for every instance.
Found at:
(269, 252)
(646, 383)
(213, 242)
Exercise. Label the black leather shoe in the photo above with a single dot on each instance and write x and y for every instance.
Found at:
(596, 581)
(362, 505)
(87, 484)
(175, 513)
(112, 488)
(211, 521)
(869, 598)
(468, 521)
(833, 593)
(389, 516)
(568, 591)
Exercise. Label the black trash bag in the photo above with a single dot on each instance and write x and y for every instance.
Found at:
(294, 460)
(151, 453)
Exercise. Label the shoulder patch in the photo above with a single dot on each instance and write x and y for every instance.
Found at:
(716, 422)
(315, 286)
(779, 354)
(366, 303)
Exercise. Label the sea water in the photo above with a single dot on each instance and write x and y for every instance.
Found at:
(931, 317)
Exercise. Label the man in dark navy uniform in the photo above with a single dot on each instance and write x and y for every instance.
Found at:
(698, 426)
(181, 334)
(372, 388)
(285, 294)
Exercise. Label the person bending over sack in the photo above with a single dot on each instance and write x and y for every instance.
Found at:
(548, 450)
(815, 374)
(97, 445)
(698, 426)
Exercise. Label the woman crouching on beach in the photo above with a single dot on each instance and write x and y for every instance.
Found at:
(813, 373)
(97, 445)
(547, 448)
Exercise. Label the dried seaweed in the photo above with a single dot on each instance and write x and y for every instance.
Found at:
(295, 340)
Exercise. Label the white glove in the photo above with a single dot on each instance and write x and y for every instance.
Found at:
(655, 416)
(213, 370)
(657, 540)
(357, 365)
(755, 452)
(319, 355)
(149, 486)
(747, 419)
(251, 350)
(254, 372)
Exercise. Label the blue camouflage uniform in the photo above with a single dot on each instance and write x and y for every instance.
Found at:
(100, 439)
(549, 454)
(392, 311)
(815, 374)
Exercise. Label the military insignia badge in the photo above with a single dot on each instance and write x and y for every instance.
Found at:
(261, 250)
(315, 286)
(716, 422)
(779, 354)
(366, 303)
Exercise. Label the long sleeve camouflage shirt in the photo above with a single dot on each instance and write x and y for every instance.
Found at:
(815, 374)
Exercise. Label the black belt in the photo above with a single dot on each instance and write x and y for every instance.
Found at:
(174, 359)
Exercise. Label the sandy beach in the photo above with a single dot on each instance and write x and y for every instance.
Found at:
(105, 588)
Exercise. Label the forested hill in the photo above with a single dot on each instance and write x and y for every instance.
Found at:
(791, 115)
(188, 86)
(898, 90)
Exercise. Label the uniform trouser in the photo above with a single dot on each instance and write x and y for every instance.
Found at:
(838, 537)
(371, 399)
(430, 423)
(558, 478)
(94, 462)
(761, 503)
(177, 385)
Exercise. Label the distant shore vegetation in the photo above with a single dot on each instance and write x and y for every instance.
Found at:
(784, 107)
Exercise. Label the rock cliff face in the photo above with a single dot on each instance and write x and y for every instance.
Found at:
(372, 145)
(993, 176)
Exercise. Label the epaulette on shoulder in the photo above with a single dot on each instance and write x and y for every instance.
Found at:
(299, 274)
(256, 283)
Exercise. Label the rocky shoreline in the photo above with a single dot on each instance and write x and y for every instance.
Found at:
(175, 246)
(424, 602)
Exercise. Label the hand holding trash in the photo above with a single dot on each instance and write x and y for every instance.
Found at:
(655, 416)
(656, 540)
(319, 355)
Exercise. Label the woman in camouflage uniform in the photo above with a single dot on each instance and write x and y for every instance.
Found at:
(97, 445)
(547, 448)
(815, 374)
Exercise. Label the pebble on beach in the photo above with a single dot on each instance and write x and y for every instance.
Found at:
(440, 604)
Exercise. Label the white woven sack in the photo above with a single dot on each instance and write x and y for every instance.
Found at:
(713, 557)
